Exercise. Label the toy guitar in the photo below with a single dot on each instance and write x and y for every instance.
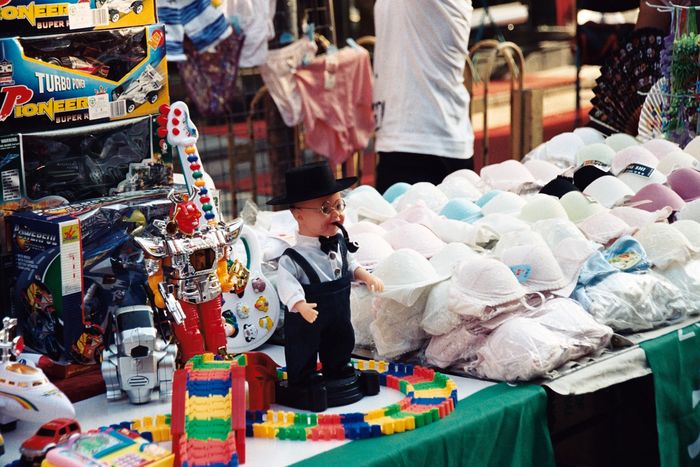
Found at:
(252, 312)
(182, 134)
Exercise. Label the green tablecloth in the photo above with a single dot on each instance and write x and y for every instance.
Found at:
(674, 359)
(501, 425)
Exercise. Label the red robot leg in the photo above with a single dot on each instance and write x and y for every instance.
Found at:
(212, 325)
(187, 333)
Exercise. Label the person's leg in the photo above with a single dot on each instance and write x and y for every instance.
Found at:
(189, 338)
(451, 164)
(337, 343)
(394, 167)
(301, 343)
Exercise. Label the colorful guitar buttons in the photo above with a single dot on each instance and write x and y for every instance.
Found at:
(258, 285)
(242, 310)
(230, 323)
(262, 304)
(250, 333)
(266, 323)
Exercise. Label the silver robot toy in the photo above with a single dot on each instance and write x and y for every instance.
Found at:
(139, 362)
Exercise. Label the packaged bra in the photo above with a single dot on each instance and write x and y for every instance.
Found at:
(524, 348)
(397, 327)
(438, 319)
(361, 314)
(453, 348)
(627, 301)
(519, 350)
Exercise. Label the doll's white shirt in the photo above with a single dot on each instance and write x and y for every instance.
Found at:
(290, 276)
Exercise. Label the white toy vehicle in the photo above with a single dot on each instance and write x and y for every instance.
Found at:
(142, 89)
(139, 362)
(116, 8)
(25, 392)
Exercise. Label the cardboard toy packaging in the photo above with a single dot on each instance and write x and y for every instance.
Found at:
(26, 18)
(68, 80)
(73, 265)
(46, 169)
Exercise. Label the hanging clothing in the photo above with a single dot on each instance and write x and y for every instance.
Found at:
(210, 77)
(255, 20)
(420, 102)
(336, 95)
(278, 74)
(199, 20)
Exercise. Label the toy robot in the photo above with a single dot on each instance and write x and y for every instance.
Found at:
(188, 270)
(138, 362)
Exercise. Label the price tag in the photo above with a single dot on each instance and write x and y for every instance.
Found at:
(80, 16)
(98, 107)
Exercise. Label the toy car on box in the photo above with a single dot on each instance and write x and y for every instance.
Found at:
(142, 89)
(40, 17)
(139, 362)
(83, 163)
(50, 435)
(117, 8)
(71, 80)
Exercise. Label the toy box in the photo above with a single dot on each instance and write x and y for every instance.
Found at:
(47, 169)
(73, 265)
(40, 17)
(69, 80)
(109, 446)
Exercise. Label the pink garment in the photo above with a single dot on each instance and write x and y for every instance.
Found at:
(458, 345)
(654, 197)
(278, 74)
(519, 350)
(336, 95)
(685, 182)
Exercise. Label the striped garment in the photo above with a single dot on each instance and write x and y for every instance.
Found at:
(202, 22)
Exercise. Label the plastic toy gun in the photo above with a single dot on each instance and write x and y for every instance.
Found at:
(172, 306)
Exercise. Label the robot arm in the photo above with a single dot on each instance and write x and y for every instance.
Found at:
(155, 280)
(110, 373)
(225, 277)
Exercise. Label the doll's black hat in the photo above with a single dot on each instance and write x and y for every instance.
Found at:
(311, 181)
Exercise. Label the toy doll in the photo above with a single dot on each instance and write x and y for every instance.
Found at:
(314, 281)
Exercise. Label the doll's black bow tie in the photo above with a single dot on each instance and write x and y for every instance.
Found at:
(329, 244)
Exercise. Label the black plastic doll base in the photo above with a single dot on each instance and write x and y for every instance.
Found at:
(369, 380)
(312, 397)
(336, 392)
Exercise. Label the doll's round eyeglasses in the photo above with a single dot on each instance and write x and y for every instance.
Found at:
(326, 208)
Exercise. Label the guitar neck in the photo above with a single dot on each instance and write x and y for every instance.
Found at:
(182, 134)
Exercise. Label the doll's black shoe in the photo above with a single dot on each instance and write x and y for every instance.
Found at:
(311, 395)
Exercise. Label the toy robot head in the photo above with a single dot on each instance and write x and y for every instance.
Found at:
(39, 298)
(88, 347)
(185, 214)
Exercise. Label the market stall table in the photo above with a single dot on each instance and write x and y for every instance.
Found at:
(487, 414)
